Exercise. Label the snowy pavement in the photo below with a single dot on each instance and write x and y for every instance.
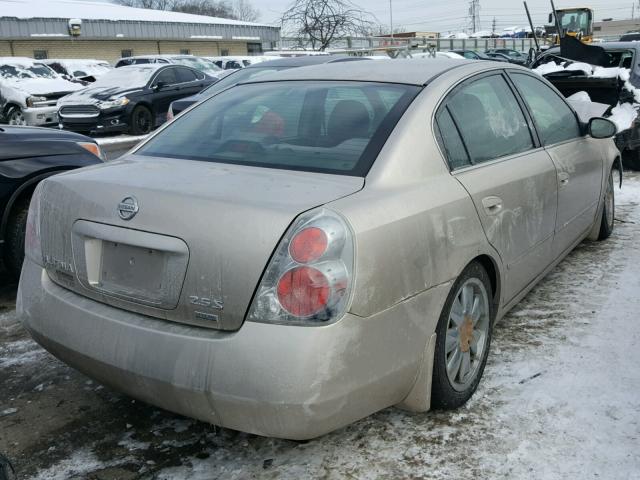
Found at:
(560, 399)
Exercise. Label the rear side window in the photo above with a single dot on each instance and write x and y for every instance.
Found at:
(167, 76)
(185, 75)
(140, 61)
(450, 141)
(489, 119)
(329, 127)
(554, 120)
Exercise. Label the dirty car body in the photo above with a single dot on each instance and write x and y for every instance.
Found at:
(282, 267)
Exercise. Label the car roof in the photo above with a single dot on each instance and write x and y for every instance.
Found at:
(148, 66)
(410, 72)
(160, 56)
(305, 61)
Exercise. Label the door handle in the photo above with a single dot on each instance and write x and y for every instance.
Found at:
(492, 205)
(563, 178)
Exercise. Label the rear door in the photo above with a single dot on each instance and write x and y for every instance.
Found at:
(165, 86)
(577, 158)
(494, 153)
(190, 82)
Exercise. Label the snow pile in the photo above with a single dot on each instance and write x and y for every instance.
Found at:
(549, 67)
(579, 97)
(623, 115)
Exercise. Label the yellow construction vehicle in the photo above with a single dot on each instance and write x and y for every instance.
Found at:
(574, 22)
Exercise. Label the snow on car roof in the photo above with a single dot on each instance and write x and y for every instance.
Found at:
(95, 10)
(21, 61)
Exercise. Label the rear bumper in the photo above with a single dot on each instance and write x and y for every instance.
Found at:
(274, 380)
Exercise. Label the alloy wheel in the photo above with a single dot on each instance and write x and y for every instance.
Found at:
(467, 333)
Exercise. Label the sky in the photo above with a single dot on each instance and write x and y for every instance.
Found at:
(445, 15)
(452, 15)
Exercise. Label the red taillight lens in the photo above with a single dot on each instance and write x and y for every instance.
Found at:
(308, 245)
(303, 291)
(310, 275)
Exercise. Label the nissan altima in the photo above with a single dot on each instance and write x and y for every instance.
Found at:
(296, 253)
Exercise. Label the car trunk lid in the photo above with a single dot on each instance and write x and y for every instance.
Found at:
(198, 240)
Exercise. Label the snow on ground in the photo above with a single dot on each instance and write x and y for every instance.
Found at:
(560, 399)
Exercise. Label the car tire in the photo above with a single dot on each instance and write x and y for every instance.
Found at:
(14, 246)
(15, 116)
(140, 121)
(457, 364)
(608, 210)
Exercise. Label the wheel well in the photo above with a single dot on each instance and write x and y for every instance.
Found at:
(24, 193)
(492, 270)
(7, 107)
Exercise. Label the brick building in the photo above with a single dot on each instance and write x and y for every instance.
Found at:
(98, 29)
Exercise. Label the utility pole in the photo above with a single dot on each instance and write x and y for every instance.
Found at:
(391, 19)
(493, 25)
(474, 15)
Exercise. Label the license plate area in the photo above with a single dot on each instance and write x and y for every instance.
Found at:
(132, 271)
(131, 265)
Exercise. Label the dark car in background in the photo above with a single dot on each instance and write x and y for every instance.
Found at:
(630, 37)
(511, 55)
(254, 70)
(27, 156)
(473, 55)
(133, 99)
(199, 63)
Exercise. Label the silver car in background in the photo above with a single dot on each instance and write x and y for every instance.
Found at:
(297, 253)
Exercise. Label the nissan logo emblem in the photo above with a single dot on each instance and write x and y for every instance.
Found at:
(128, 208)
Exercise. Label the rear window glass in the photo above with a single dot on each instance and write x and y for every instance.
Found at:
(330, 127)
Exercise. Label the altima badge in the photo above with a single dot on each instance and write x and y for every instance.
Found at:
(128, 208)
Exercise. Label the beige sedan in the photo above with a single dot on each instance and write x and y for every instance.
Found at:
(303, 250)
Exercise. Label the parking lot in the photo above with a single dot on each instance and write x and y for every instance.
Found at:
(558, 400)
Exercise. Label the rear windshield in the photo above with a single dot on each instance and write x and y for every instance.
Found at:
(329, 127)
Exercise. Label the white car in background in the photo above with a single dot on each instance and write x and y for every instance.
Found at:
(438, 55)
(29, 92)
(236, 62)
(86, 70)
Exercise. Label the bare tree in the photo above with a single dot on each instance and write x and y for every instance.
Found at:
(320, 21)
(243, 10)
(222, 9)
(152, 4)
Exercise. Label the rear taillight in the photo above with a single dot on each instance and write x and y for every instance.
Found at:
(309, 278)
(32, 243)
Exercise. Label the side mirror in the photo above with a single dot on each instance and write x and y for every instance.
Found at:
(159, 85)
(602, 128)
(550, 18)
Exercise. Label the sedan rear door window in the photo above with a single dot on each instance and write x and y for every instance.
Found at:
(450, 141)
(186, 75)
(168, 77)
(489, 119)
(554, 120)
